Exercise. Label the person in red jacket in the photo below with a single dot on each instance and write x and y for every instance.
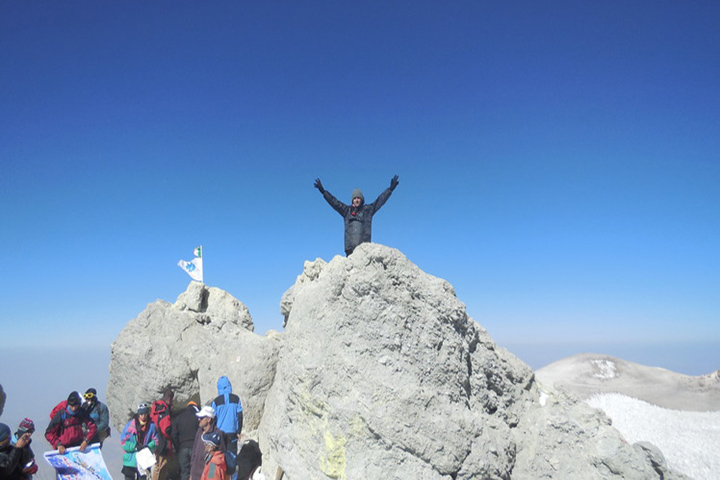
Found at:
(66, 428)
(215, 468)
(167, 465)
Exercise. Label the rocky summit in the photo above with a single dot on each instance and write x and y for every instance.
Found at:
(380, 373)
(186, 346)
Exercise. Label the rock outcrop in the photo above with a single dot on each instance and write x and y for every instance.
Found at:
(380, 373)
(187, 346)
(2, 399)
(383, 374)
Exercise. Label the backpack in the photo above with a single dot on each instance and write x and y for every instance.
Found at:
(230, 462)
(249, 459)
(59, 407)
(160, 416)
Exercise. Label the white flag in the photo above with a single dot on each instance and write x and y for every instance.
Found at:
(194, 268)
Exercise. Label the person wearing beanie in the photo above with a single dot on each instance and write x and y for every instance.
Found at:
(215, 467)
(11, 455)
(139, 432)
(358, 215)
(98, 411)
(71, 427)
(26, 467)
(184, 427)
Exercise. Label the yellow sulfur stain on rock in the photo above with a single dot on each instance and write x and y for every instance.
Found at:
(334, 463)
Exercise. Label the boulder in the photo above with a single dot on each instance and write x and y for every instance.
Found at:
(187, 346)
(382, 374)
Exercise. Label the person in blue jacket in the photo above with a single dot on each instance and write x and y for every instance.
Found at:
(229, 413)
(98, 411)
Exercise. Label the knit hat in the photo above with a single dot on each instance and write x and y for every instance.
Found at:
(143, 408)
(4, 432)
(74, 399)
(358, 193)
(26, 425)
(212, 438)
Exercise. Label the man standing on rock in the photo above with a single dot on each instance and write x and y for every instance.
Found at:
(358, 216)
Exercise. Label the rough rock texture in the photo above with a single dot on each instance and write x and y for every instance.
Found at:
(382, 374)
(2, 399)
(588, 374)
(187, 346)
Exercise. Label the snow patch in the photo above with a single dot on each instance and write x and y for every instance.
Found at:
(688, 440)
(606, 369)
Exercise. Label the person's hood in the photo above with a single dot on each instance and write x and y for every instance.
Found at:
(223, 386)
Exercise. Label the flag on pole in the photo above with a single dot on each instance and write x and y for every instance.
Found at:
(194, 268)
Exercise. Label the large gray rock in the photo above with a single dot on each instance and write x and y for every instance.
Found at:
(382, 374)
(186, 346)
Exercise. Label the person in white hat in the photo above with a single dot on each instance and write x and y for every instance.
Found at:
(206, 417)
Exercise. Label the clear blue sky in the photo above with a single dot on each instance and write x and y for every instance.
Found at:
(559, 161)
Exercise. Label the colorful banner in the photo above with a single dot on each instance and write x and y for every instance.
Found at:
(77, 465)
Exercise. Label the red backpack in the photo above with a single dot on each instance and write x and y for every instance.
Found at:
(160, 416)
(58, 408)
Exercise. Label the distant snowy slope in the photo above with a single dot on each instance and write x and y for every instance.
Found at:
(589, 373)
(689, 440)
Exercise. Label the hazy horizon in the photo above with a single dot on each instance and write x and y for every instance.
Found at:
(50, 375)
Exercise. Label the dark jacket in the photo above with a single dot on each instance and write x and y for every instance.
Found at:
(26, 467)
(10, 458)
(197, 464)
(66, 428)
(99, 413)
(184, 428)
(358, 221)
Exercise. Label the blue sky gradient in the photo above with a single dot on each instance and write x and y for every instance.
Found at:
(558, 161)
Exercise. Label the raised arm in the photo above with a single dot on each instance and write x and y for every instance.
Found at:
(336, 204)
(383, 197)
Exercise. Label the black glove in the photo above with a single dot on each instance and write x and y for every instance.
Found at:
(394, 182)
(318, 185)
